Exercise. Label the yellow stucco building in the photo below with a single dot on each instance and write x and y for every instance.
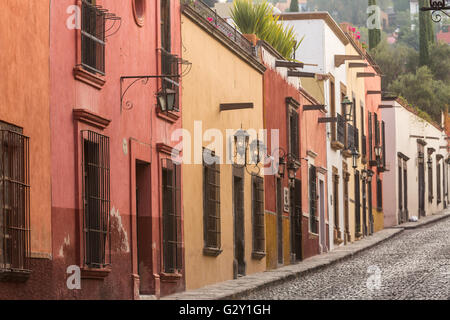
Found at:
(222, 92)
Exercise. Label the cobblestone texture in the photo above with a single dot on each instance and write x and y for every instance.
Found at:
(413, 265)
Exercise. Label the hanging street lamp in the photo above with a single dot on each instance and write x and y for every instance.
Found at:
(347, 107)
(355, 156)
(243, 147)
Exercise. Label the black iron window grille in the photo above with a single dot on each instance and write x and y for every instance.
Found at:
(438, 182)
(294, 134)
(340, 129)
(357, 204)
(171, 216)
(96, 200)
(258, 214)
(383, 142)
(93, 20)
(379, 194)
(430, 182)
(211, 201)
(364, 146)
(14, 201)
(313, 199)
(370, 129)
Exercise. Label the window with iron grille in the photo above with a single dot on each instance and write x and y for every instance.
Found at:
(379, 194)
(438, 181)
(96, 199)
(258, 214)
(383, 142)
(211, 203)
(370, 129)
(357, 203)
(14, 199)
(430, 183)
(92, 37)
(313, 199)
(293, 133)
(171, 215)
(400, 184)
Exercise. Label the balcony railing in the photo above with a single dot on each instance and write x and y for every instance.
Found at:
(350, 136)
(223, 26)
(340, 129)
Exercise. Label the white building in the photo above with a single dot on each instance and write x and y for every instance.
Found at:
(417, 183)
(323, 39)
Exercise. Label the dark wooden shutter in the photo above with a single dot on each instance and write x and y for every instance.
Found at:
(370, 129)
(357, 203)
(379, 194)
(438, 181)
(313, 198)
(258, 214)
(171, 215)
(179, 231)
(211, 203)
(383, 141)
(294, 134)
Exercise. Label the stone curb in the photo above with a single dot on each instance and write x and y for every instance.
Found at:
(234, 289)
(429, 220)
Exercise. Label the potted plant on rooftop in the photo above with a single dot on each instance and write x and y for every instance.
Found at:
(256, 21)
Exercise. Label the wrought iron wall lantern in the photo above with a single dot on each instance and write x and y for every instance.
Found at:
(243, 147)
(364, 175)
(166, 97)
(347, 107)
(355, 156)
(370, 174)
(290, 162)
(438, 8)
(378, 151)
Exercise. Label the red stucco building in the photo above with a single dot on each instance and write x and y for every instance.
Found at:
(296, 207)
(115, 191)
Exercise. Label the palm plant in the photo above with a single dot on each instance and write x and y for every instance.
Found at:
(258, 19)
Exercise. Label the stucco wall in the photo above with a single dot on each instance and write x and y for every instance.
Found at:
(404, 129)
(24, 102)
(213, 81)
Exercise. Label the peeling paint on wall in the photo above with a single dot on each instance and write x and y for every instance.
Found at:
(118, 232)
(65, 244)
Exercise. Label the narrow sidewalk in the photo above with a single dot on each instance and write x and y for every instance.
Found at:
(233, 289)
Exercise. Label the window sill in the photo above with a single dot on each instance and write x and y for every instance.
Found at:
(258, 255)
(89, 78)
(313, 235)
(212, 252)
(95, 274)
(14, 275)
(170, 277)
(169, 116)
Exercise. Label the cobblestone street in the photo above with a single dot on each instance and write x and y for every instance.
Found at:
(413, 265)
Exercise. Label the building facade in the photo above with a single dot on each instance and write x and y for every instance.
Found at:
(25, 199)
(323, 42)
(417, 184)
(224, 203)
(114, 227)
